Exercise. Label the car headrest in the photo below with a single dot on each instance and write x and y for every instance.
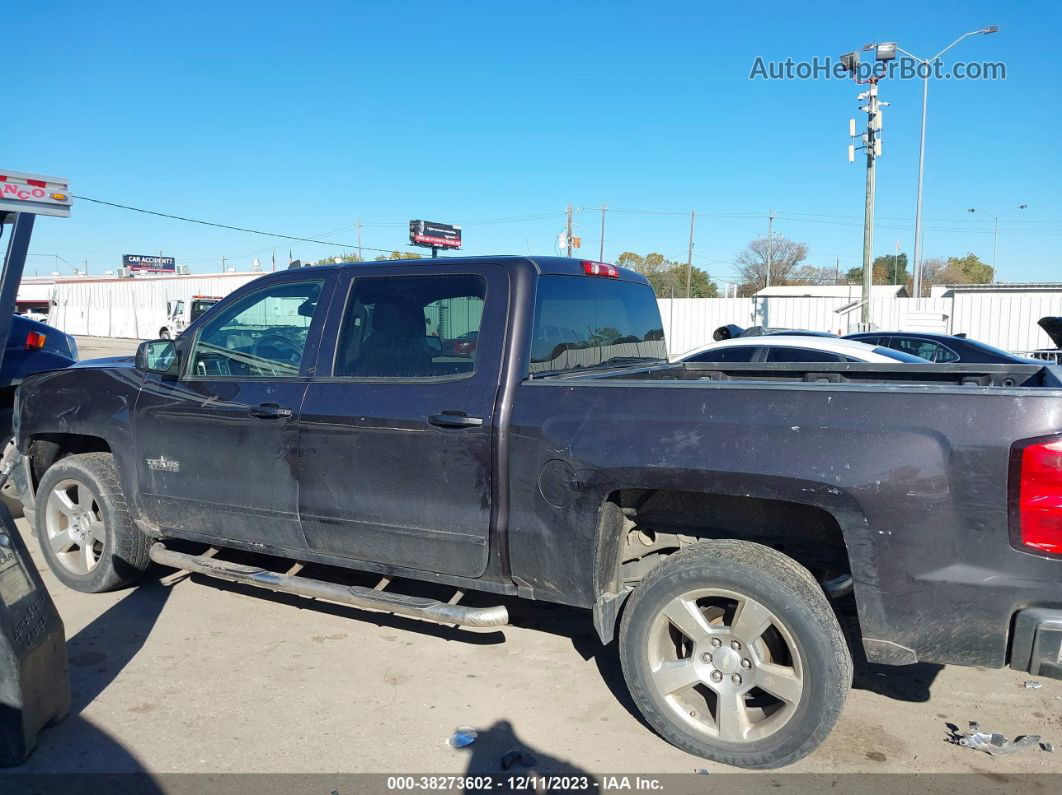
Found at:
(397, 320)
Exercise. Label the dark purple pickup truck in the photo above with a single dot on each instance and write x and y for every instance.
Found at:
(710, 515)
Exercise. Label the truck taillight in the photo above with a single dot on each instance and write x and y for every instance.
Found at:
(1040, 497)
(35, 341)
(600, 269)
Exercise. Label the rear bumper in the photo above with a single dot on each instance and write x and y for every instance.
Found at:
(1037, 642)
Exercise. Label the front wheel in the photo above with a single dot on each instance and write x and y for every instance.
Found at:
(732, 652)
(164, 334)
(86, 534)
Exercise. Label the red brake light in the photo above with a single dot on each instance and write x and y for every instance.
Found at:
(600, 269)
(1040, 497)
(35, 340)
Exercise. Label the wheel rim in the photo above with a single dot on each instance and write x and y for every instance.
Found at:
(725, 664)
(74, 526)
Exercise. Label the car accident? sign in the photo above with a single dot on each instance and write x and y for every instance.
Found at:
(150, 264)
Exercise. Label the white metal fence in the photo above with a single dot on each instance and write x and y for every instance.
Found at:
(1008, 322)
(137, 308)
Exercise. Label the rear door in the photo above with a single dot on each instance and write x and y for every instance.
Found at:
(395, 439)
(217, 446)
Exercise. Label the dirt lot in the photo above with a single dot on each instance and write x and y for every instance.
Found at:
(191, 674)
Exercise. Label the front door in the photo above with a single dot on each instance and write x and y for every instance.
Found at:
(395, 455)
(218, 445)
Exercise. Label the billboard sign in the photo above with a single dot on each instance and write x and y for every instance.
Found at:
(429, 233)
(34, 193)
(145, 263)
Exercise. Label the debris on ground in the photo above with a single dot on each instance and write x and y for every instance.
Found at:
(1032, 683)
(462, 737)
(702, 771)
(992, 743)
(517, 756)
(1047, 747)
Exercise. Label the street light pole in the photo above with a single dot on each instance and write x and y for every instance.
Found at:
(924, 64)
(995, 235)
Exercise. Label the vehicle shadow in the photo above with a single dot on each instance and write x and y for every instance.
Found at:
(911, 683)
(498, 752)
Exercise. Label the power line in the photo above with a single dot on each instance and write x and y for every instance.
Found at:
(227, 226)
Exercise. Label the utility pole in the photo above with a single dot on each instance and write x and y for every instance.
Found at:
(689, 256)
(568, 234)
(873, 149)
(358, 225)
(601, 255)
(223, 258)
(770, 246)
(837, 270)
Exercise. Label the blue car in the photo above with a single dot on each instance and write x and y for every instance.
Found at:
(32, 347)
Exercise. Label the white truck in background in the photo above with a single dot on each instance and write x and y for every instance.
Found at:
(179, 313)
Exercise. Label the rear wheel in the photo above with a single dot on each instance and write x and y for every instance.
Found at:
(164, 334)
(83, 524)
(732, 652)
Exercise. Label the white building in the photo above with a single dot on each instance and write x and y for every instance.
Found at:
(131, 307)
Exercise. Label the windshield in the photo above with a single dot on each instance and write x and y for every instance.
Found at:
(583, 321)
(900, 356)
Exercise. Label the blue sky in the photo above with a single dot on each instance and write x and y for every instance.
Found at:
(302, 118)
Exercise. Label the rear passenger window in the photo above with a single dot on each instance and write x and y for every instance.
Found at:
(780, 354)
(411, 326)
(926, 349)
(742, 353)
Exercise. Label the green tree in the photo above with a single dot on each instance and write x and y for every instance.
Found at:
(398, 255)
(887, 269)
(341, 258)
(668, 277)
(955, 270)
(972, 268)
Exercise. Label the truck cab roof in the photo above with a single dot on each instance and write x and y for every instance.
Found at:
(559, 266)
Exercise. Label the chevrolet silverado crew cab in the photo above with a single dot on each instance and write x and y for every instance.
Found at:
(706, 513)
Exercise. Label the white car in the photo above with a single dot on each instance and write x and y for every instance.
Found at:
(793, 348)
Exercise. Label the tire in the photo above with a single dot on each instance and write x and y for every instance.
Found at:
(164, 334)
(722, 592)
(84, 528)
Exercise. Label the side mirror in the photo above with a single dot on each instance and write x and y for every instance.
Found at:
(157, 356)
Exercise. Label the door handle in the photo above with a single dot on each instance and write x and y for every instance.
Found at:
(269, 411)
(455, 419)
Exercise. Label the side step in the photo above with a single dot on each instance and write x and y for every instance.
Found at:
(359, 596)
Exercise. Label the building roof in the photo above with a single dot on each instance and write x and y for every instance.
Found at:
(1006, 287)
(852, 291)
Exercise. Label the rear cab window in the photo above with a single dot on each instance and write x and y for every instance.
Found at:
(587, 322)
